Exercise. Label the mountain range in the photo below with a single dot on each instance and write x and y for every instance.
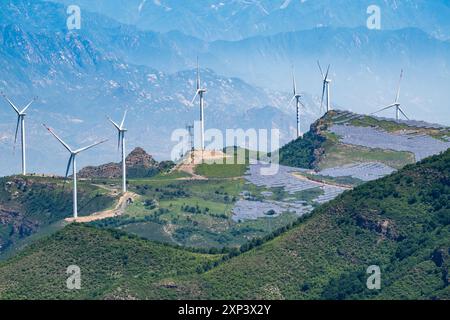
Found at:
(239, 19)
(110, 65)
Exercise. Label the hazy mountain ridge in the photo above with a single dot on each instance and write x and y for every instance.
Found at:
(68, 70)
(361, 86)
(239, 19)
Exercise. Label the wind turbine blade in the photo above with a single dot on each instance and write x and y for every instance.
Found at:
(385, 108)
(293, 98)
(294, 85)
(114, 124)
(29, 104)
(320, 68)
(323, 95)
(10, 103)
(17, 130)
(301, 103)
(399, 84)
(193, 99)
(118, 140)
(90, 146)
(403, 113)
(198, 76)
(68, 165)
(123, 119)
(328, 71)
(58, 138)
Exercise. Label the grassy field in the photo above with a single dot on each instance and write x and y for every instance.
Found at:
(221, 170)
(198, 213)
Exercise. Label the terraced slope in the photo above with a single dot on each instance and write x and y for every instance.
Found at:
(400, 223)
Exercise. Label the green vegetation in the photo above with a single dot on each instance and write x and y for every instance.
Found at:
(28, 204)
(221, 170)
(113, 265)
(400, 223)
(302, 152)
(197, 213)
(231, 167)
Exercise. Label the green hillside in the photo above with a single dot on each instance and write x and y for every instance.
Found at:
(113, 265)
(400, 223)
(29, 204)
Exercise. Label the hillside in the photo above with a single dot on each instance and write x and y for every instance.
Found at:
(30, 204)
(391, 222)
(340, 139)
(139, 165)
(109, 261)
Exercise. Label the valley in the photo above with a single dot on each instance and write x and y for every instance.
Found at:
(323, 255)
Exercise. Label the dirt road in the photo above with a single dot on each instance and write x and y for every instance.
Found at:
(118, 210)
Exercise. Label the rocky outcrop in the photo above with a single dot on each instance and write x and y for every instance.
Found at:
(139, 163)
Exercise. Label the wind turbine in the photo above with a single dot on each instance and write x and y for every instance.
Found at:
(20, 122)
(200, 91)
(296, 97)
(121, 142)
(325, 88)
(396, 104)
(73, 162)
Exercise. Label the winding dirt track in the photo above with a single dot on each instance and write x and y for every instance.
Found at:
(118, 210)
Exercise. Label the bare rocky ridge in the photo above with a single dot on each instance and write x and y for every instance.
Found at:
(139, 163)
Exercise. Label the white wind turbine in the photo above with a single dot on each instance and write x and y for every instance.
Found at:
(20, 122)
(325, 88)
(73, 162)
(200, 91)
(297, 97)
(121, 143)
(396, 104)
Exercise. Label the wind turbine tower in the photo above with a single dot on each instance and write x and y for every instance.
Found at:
(325, 88)
(121, 144)
(200, 91)
(297, 96)
(396, 103)
(20, 123)
(73, 162)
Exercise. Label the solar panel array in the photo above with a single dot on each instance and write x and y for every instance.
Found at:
(363, 171)
(420, 144)
(285, 178)
(252, 210)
